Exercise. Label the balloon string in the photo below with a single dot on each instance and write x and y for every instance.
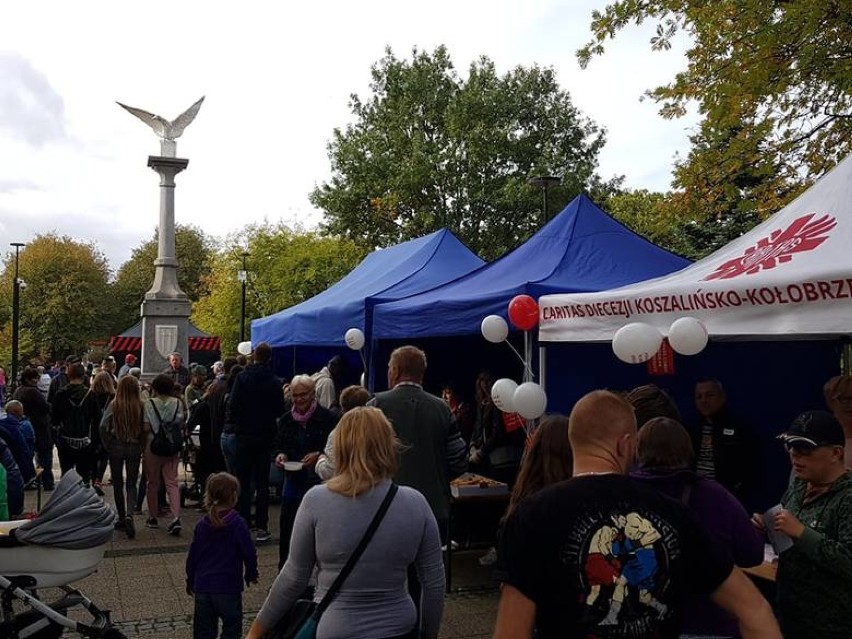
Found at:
(363, 360)
(523, 361)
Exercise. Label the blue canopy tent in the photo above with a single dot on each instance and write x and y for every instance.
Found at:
(391, 273)
(580, 250)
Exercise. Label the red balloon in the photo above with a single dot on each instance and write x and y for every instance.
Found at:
(523, 312)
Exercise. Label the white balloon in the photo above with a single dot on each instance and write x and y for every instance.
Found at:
(354, 339)
(636, 343)
(688, 336)
(494, 328)
(244, 348)
(530, 400)
(503, 393)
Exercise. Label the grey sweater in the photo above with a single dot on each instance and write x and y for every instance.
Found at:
(374, 601)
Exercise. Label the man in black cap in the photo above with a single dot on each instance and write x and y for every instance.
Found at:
(815, 574)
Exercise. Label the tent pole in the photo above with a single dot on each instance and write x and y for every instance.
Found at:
(542, 366)
(528, 374)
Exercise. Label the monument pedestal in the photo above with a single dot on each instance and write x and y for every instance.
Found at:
(166, 309)
(165, 327)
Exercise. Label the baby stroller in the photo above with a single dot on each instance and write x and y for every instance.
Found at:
(63, 544)
(191, 460)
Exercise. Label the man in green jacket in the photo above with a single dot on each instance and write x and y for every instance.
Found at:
(815, 575)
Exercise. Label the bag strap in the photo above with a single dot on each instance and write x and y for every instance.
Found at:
(156, 412)
(356, 554)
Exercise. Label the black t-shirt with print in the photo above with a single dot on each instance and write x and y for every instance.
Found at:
(605, 557)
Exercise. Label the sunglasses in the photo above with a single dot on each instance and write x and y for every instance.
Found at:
(800, 448)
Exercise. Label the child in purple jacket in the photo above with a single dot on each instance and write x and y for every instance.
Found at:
(221, 546)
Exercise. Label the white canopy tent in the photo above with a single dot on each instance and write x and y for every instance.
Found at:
(790, 277)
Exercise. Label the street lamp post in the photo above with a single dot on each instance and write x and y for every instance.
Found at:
(16, 315)
(242, 276)
(545, 183)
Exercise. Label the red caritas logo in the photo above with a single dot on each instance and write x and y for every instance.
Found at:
(804, 234)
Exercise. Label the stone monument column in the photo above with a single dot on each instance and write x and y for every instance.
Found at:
(166, 308)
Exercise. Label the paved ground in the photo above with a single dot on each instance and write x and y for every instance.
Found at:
(142, 582)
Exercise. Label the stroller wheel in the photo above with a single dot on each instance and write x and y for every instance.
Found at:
(184, 492)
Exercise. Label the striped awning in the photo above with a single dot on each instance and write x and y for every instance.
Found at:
(130, 341)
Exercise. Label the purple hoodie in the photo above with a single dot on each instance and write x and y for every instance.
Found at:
(728, 525)
(217, 555)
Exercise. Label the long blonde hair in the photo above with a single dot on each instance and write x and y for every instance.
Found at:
(367, 451)
(127, 410)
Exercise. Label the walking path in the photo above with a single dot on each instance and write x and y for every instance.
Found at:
(142, 581)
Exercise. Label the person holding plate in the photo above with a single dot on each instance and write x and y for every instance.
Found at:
(302, 435)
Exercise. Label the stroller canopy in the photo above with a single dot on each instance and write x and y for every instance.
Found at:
(74, 517)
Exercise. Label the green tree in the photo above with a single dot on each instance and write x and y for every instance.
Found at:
(66, 302)
(656, 216)
(194, 251)
(773, 84)
(428, 150)
(646, 213)
(285, 267)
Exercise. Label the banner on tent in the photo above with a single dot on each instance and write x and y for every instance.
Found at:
(748, 304)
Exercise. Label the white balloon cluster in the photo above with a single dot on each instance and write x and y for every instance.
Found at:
(244, 348)
(638, 342)
(528, 400)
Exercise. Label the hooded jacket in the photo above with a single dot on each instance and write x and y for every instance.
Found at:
(255, 403)
(217, 555)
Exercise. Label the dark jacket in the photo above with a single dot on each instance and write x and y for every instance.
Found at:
(57, 384)
(37, 409)
(10, 432)
(68, 399)
(735, 453)
(296, 441)
(217, 556)
(434, 451)
(179, 375)
(98, 404)
(256, 402)
(14, 480)
(500, 449)
(814, 580)
(216, 396)
(728, 525)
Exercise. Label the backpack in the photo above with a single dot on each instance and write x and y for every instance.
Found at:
(168, 440)
(76, 428)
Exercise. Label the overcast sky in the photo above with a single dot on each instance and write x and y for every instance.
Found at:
(277, 77)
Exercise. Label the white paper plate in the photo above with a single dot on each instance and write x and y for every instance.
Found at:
(293, 466)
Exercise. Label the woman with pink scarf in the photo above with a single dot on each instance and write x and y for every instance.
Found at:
(302, 435)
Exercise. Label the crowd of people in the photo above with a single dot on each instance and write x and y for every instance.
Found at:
(622, 520)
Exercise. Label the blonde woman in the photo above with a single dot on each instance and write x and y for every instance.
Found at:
(373, 601)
